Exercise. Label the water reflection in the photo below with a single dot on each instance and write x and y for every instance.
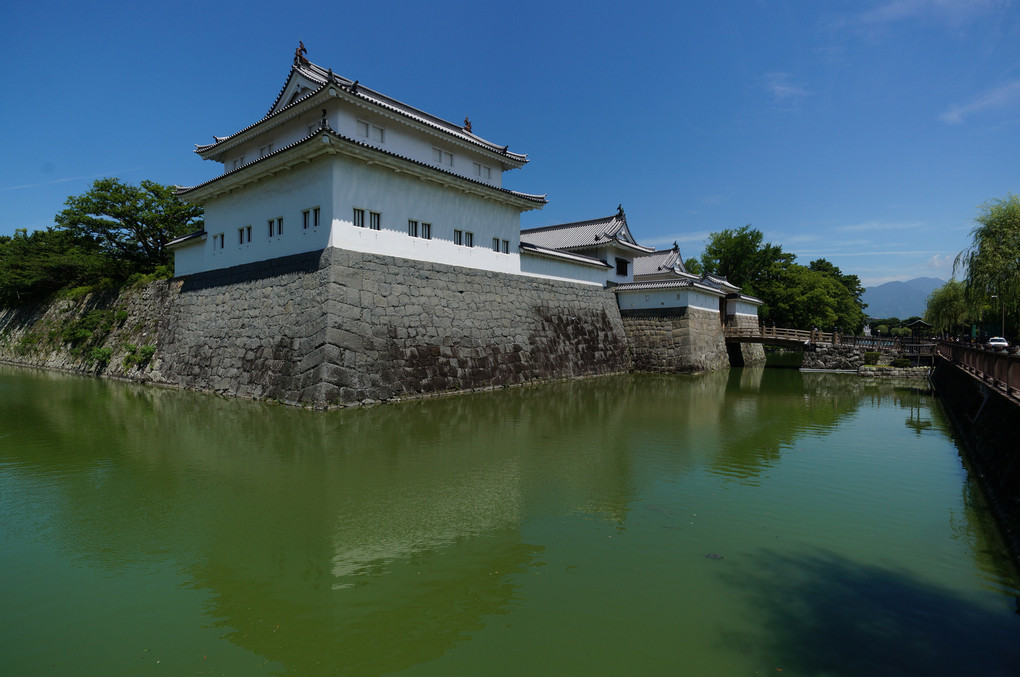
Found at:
(830, 615)
(367, 541)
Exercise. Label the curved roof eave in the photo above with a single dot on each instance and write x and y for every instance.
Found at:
(537, 200)
(352, 88)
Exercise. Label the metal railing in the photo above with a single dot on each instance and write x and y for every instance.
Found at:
(997, 368)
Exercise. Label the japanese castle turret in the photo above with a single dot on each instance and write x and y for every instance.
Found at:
(336, 164)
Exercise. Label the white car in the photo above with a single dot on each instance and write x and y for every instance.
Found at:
(997, 343)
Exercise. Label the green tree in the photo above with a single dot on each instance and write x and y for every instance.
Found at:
(947, 309)
(130, 223)
(992, 262)
(803, 298)
(744, 258)
(34, 266)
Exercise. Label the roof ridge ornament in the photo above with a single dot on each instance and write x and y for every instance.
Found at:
(299, 55)
(354, 87)
(467, 124)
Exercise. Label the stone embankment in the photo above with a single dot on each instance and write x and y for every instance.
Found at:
(330, 328)
(986, 419)
(876, 371)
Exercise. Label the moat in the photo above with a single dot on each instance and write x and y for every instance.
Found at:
(733, 523)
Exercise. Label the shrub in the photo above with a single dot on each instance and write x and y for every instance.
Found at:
(99, 356)
(138, 356)
(900, 362)
(871, 357)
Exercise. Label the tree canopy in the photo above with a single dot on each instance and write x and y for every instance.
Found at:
(131, 223)
(103, 237)
(992, 262)
(794, 296)
(947, 309)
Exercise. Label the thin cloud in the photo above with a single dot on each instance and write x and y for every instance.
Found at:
(683, 239)
(952, 13)
(901, 252)
(879, 226)
(67, 179)
(1003, 97)
(785, 91)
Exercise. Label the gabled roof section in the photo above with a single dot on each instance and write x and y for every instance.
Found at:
(307, 79)
(586, 234)
(661, 263)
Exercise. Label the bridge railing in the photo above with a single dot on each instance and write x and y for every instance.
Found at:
(779, 334)
(996, 367)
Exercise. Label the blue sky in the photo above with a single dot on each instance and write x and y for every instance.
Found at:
(864, 132)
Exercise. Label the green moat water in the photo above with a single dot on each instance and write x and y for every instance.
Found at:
(736, 523)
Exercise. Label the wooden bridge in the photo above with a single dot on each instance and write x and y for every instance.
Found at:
(777, 336)
(800, 337)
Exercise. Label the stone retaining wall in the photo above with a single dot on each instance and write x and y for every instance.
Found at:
(338, 327)
(986, 421)
(684, 340)
(746, 354)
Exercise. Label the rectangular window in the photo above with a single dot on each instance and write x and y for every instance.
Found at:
(375, 220)
(279, 226)
(272, 223)
(275, 226)
(315, 217)
(247, 233)
(217, 241)
(244, 235)
(412, 228)
(469, 239)
(621, 266)
(506, 246)
(359, 218)
(482, 172)
(458, 237)
(306, 218)
(441, 157)
(495, 244)
(371, 132)
(426, 231)
(265, 150)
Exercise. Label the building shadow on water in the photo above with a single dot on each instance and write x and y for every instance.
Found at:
(823, 614)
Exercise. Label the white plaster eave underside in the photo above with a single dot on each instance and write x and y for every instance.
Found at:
(325, 143)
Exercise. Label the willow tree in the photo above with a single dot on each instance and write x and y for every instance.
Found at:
(947, 309)
(992, 262)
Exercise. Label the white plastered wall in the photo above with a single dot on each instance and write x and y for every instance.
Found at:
(645, 299)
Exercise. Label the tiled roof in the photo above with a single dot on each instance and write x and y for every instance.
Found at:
(557, 254)
(326, 77)
(678, 283)
(538, 199)
(186, 238)
(659, 262)
(584, 234)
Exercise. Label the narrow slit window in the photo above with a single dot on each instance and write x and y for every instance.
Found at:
(359, 218)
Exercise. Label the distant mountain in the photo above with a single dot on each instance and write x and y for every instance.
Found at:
(900, 299)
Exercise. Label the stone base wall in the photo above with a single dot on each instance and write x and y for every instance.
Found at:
(985, 420)
(833, 357)
(338, 327)
(749, 354)
(685, 340)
